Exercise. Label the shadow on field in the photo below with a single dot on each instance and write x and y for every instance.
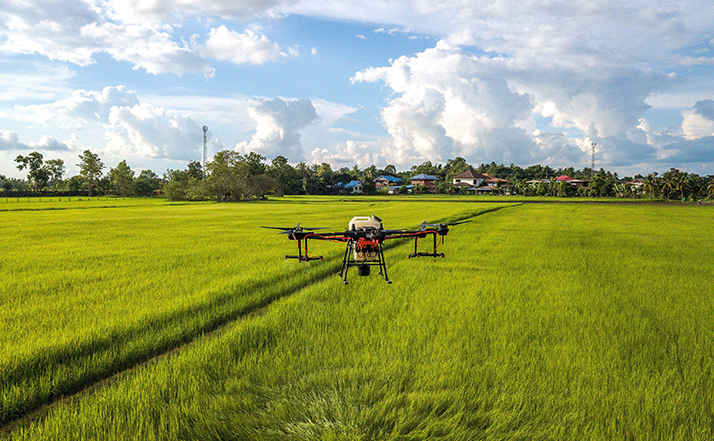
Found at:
(59, 372)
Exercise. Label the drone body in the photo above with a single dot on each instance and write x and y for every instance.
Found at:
(364, 240)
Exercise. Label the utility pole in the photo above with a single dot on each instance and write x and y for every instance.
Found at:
(205, 135)
(592, 166)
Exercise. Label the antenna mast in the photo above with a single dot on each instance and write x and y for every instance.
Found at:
(205, 134)
(592, 166)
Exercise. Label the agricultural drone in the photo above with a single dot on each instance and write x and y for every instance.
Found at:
(364, 238)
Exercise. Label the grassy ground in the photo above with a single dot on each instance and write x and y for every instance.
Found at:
(93, 287)
(543, 322)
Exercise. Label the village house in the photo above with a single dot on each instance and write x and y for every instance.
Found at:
(477, 183)
(562, 178)
(396, 189)
(580, 182)
(493, 182)
(534, 182)
(354, 187)
(575, 183)
(427, 181)
(469, 178)
(483, 189)
(387, 181)
(635, 183)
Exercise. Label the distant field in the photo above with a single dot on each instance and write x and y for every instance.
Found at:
(545, 321)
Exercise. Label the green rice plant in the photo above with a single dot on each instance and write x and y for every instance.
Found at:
(94, 289)
(543, 322)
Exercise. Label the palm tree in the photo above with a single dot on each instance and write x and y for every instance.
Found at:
(515, 187)
(684, 183)
(620, 189)
(710, 188)
(675, 182)
(670, 183)
(652, 184)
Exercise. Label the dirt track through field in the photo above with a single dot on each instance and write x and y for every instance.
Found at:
(37, 413)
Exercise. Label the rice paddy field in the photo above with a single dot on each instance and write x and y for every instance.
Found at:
(142, 319)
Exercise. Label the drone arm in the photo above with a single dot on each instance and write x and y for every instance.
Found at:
(409, 234)
(302, 244)
(417, 253)
(330, 237)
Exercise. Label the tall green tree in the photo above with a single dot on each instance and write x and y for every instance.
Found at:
(122, 179)
(176, 185)
(6, 185)
(564, 189)
(255, 162)
(456, 166)
(90, 169)
(74, 184)
(55, 169)
(445, 186)
(651, 185)
(710, 189)
(224, 179)
(370, 173)
(673, 184)
(195, 170)
(37, 175)
(601, 184)
(146, 183)
(284, 176)
(304, 172)
(389, 170)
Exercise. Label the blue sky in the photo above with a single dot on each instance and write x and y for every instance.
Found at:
(362, 82)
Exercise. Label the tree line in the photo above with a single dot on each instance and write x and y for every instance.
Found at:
(46, 178)
(232, 176)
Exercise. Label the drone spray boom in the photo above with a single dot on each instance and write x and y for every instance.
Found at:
(364, 240)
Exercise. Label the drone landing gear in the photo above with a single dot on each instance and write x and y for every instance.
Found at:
(363, 266)
(300, 257)
(304, 258)
(417, 253)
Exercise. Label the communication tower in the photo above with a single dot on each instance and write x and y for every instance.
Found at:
(205, 135)
(592, 166)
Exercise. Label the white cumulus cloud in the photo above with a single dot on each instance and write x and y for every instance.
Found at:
(449, 102)
(450, 105)
(169, 10)
(248, 47)
(699, 121)
(78, 109)
(10, 140)
(129, 127)
(48, 143)
(349, 154)
(150, 132)
(278, 125)
(74, 31)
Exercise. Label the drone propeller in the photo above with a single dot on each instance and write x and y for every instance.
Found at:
(424, 225)
(293, 229)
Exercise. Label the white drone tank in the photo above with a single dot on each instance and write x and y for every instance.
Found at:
(365, 223)
(365, 253)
